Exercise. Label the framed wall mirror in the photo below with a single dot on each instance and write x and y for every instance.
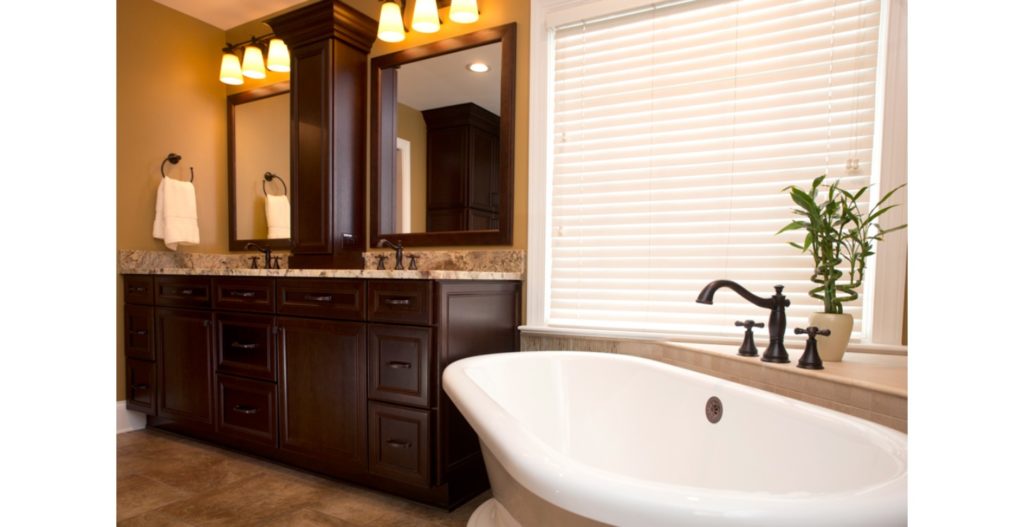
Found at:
(442, 134)
(259, 167)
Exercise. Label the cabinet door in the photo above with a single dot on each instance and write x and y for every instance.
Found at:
(322, 383)
(185, 365)
(245, 346)
(138, 332)
(141, 386)
(399, 362)
(483, 169)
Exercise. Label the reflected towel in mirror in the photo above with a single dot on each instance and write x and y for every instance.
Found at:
(279, 217)
(176, 222)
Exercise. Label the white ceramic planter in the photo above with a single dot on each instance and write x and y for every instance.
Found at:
(832, 347)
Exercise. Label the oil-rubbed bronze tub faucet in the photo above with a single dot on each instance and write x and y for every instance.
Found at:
(777, 303)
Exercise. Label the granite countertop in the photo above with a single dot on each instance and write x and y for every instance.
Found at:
(330, 273)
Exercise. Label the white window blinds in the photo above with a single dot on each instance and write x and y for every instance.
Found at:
(675, 130)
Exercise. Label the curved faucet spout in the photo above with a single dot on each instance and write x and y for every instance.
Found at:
(707, 295)
(777, 303)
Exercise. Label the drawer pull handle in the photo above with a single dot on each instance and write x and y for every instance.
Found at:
(140, 386)
(319, 298)
(399, 365)
(136, 289)
(242, 409)
(394, 443)
(242, 294)
(240, 346)
(139, 332)
(397, 301)
(187, 292)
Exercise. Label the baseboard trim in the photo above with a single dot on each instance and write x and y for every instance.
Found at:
(129, 420)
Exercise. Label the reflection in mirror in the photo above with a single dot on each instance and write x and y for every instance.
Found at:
(451, 110)
(441, 170)
(259, 166)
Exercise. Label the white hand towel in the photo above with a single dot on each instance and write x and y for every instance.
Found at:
(176, 222)
(279, 217)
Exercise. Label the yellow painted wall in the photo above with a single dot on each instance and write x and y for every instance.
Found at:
(168, 100)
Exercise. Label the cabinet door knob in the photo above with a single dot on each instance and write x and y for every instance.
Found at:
(394, 443)
(243, 409)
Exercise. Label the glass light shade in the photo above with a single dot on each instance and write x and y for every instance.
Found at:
(278, 58)
(252, 63)
(391, 28)
(464, 12)
(230, 69)
(424, 17)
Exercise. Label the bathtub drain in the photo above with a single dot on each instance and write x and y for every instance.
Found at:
(713, 409)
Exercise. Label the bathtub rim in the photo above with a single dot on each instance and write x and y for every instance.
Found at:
(601, 495)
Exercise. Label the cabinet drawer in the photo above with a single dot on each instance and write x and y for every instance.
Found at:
(183, 291)
(400, 443)
(138, 289)
(245, 345)
(247, 409)
(138, 332)
(399, 360)
(402, 301)
(340, 299)
(244, 294)
(140, 386)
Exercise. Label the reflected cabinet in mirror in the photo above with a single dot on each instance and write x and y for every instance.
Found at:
(442, 128)
(259, 167)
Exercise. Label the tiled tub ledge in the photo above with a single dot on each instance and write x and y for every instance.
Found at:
(866, 385)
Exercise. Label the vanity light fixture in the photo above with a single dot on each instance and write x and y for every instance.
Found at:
(478, 67)
(233, 71)
(392, 27)
(425, 19)
(464, 12)
(252, 62)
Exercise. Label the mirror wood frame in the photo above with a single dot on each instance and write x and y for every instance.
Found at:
(383, 117)
(234, 100)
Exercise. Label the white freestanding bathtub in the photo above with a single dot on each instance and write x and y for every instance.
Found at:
(577, 438)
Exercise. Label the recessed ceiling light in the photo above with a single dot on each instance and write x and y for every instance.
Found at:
(478, 67)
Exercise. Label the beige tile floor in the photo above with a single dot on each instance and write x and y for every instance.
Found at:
(168, 480)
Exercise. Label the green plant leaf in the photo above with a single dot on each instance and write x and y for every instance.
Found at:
(792, 227)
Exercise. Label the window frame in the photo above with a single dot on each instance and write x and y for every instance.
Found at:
(885, 287)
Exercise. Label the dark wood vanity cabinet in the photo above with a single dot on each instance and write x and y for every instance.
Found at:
(339, 376)
(463, 184)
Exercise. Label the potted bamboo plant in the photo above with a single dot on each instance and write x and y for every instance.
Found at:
(840, 238)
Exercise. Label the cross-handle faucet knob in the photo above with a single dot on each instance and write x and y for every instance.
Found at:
(412, 262)
(252, 262)
(810, 360)
(812, 331)
(748, 349)
(380, 261)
